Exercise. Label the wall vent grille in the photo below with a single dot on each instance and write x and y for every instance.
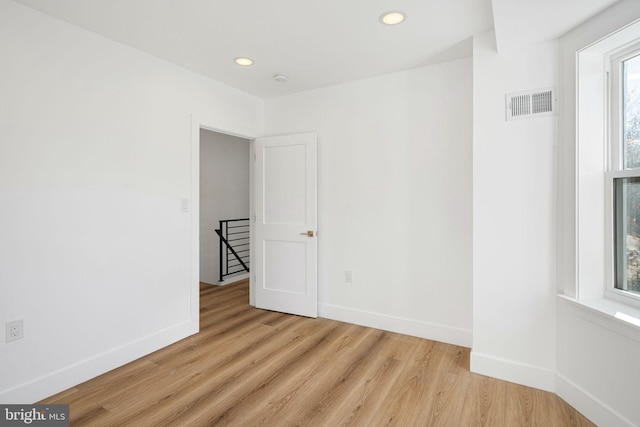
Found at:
(531, 103)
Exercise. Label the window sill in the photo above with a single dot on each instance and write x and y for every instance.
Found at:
(613, 315)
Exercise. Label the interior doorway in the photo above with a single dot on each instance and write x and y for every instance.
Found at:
(224, 207)
(306, 231)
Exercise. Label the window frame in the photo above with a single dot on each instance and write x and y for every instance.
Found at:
(581, 205)
(614, 167)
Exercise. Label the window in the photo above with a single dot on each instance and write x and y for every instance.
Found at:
(599, 184)
(627, 233)
(623, 175)
(599, 175)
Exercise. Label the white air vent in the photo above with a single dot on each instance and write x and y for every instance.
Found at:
(532, 103)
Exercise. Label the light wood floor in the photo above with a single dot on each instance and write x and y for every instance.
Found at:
(250, 367)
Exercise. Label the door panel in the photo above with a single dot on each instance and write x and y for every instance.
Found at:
(285, 268)
(286, 224)
(284, 191)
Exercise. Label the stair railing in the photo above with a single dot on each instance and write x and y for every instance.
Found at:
(234, 246)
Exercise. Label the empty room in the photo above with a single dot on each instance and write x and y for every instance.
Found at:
(439, 200)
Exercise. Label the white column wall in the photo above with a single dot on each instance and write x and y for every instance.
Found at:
(513, 218)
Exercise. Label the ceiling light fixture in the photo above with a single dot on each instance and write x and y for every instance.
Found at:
(393, 17)
(244, 62)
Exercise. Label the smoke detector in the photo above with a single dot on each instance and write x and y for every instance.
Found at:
(281, 78)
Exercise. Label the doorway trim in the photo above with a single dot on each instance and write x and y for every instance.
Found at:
(214, 125)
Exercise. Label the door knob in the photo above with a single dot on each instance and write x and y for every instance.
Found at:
(308, 233)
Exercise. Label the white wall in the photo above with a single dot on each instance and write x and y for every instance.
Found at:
(224, 193)
(598, 366)
(96, 151)
(95, 252)
(513, 218)
(597, 356)
(394, 197)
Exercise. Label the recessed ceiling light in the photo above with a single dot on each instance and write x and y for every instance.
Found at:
(393, 17)
(245, 62)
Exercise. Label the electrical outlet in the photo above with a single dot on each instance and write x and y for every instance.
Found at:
(348, 276)
(14, 330)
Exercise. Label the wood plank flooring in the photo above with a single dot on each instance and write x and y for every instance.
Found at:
(249, 367)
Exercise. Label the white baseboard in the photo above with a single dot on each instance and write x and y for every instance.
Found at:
(588, 405)
(432, 331)
(515, 372)
(72, 375)
(233, 279)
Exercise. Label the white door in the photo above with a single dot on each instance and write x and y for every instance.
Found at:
(286, 246)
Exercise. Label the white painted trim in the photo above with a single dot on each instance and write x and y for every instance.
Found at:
(588, 405)
(212, 124)
(512, 371)
(609, 314)
(417, 328)
(84, 370)
(233, 279)
(252, 223)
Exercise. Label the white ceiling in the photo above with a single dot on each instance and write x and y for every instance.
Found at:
(316, 43)
(524, 22)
